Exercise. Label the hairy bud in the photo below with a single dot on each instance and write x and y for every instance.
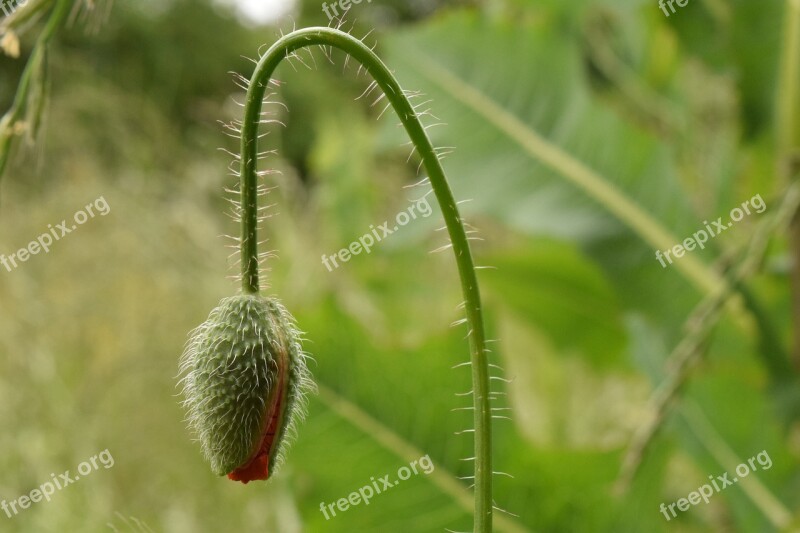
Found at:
(244, 382)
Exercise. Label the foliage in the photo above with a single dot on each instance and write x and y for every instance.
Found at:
(672, 118)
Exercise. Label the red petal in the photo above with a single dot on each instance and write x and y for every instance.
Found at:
(255, 470)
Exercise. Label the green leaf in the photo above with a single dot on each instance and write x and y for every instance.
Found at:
(562, 294)
(526, 121)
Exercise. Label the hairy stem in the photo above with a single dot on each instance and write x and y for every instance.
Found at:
(466, 268)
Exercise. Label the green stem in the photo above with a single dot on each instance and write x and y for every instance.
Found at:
(39, 54)
(788, 147)
(701, 323)
(466, 268)
(770, 506)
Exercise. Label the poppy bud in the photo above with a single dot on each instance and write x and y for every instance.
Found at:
(244, 382)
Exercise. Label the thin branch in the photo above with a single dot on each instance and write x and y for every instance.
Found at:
(699, 326)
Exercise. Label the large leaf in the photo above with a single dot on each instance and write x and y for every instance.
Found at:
(563, 294)
(559, 163)
(526, 121)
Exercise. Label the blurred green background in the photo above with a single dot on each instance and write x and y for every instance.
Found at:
(675, 114)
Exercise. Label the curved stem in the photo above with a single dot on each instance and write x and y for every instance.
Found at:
(466, 268)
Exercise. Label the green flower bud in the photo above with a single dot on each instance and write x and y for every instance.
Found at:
(244, 382)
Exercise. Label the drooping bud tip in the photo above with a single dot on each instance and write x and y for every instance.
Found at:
(244, 382)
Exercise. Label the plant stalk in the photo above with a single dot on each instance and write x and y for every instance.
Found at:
(323, 36)
(788, 145)
(34, 64)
